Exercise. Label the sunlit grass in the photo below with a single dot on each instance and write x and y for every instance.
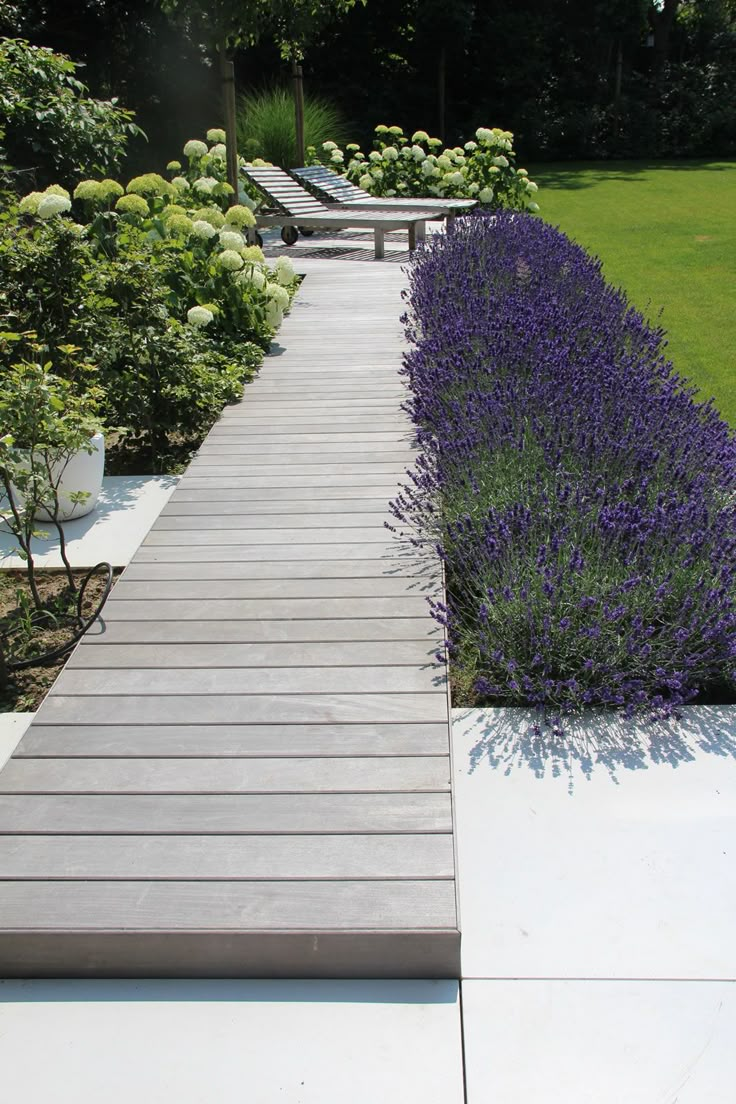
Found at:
(666, 233)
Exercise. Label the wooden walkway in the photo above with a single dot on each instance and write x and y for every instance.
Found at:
(245, 770)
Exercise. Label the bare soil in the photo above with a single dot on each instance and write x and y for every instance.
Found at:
(26, 633)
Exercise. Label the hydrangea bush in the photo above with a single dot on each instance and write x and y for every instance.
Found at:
(154, 284)
(583, 502)
(482, 169)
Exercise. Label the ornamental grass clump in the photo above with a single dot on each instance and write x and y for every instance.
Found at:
(583, 503)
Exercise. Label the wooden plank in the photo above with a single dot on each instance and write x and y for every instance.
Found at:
(226, 858)
(251, 537)
(92, 682)
(249, 814)
(308, 496)
(177, 906)
(353, 511)
(276, 709)
(267, 553)
(261, 632)
(321, 653)
(114, 953)
(408, 774)
(264, 609)
(232, 741)
(288, 569)
(375, 586)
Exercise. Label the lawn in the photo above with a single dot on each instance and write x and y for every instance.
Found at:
(666, 233)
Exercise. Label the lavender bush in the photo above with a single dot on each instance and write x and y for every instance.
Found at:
(582, 501)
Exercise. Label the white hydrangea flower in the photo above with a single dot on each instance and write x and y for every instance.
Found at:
(52, 205)
(405, 152)
(328, 146)
(473, 188)
(365, 181)
(377, 173)
(29, 203)
(456, 178)
(219, 151)
(215, 134)
(181, 184)
(390, 153)
(231, 239)
(501, 161)
(420, 136)
(199, 316)
(444, 162)
(521, 172)
(257, 277)
(274, 314)
(483, 134)
(395, 130)
(534, 207)
(194, 148)
(485, 195)
(470, 146)
(390, 192)
(531, 186)
(418, 153)
(230, 260)
(337, 157)
(374, 156)
(244, 199)
(427, 168)
(277, 294)
(202, 229)
(205, 184)
(284, 270)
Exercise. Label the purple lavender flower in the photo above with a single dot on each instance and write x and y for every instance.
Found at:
(583, 503)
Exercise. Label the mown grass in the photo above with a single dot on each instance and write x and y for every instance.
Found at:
(666, 233)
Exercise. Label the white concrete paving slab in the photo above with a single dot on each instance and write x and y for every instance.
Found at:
(201, 1042)
(126, 510)
(599, 1042)
(12, 728)
(608, 853)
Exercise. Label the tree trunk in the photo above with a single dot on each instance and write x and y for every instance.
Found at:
(227, 81)
(441, 91)
(297, 76)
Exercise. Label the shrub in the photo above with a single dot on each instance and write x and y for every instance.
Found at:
(50, 122)
(582, 501)
(482, 169)
(266, 127)
(127, 287)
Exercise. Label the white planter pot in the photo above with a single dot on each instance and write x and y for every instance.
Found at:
(82, 472)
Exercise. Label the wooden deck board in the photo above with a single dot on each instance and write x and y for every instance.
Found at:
(244, 769)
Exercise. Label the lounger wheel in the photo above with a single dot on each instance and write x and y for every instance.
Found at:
(289, 235)
(305, 231)
(258, 239)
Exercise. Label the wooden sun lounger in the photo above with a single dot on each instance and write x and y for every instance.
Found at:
(329, 185)
(294, 208)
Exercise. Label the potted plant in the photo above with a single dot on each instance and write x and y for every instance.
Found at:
(51, 453)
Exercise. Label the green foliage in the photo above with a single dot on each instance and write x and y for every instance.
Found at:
(51, 124)
(484, 169)
(295, 24)
(173, 311)
(266, 125)
(46, 420)
(238, 22)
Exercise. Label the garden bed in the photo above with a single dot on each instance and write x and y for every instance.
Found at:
(36, 633)
(582, 501)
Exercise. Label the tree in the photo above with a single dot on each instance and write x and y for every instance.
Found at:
(223, 25)
(295, 26)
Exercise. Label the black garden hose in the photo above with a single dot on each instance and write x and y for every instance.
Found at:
(82, 623)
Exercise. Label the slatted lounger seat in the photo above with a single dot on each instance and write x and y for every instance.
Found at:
(328, 185)
(295, 207)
